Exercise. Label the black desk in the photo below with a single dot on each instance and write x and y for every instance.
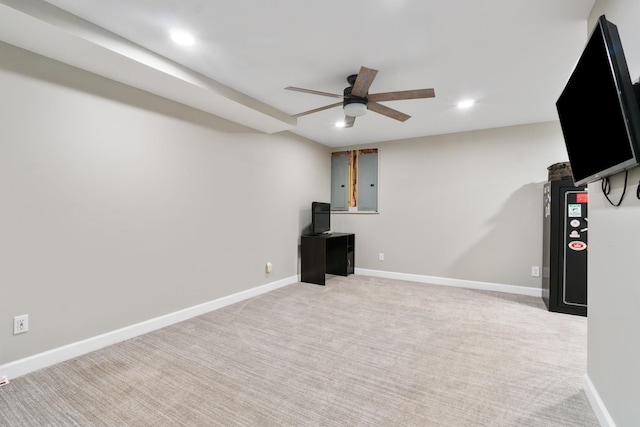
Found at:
(326, 254)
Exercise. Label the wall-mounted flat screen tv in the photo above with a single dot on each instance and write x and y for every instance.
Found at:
(598, 109)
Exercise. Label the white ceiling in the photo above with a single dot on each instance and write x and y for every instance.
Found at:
(512, 56)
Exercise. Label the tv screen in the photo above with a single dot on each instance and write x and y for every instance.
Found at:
(598, 109)
(320, 217)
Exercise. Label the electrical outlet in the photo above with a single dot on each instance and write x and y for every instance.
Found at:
(380, 256)
(20, 324)
(535, 271)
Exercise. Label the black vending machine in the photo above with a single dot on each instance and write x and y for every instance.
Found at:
(564, 261)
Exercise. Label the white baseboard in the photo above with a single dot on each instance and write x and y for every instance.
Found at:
(469, 284)
(42, 360)
(604, 418)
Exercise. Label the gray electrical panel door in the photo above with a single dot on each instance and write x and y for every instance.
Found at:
(339, 183)
(368, 182)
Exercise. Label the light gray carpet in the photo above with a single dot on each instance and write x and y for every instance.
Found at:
(361, 351)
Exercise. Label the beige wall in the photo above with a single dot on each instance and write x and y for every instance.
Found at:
(614, 246)
(462, 206)
(119, 206)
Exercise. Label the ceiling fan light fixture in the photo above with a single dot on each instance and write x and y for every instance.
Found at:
(355, 109)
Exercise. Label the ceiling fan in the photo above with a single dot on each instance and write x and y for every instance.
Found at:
(356, 99)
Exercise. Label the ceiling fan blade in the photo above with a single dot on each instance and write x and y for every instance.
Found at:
(326, 107)
(402, 94)
(349, 121)
(363, 81)
(389, 112)
(315, 92)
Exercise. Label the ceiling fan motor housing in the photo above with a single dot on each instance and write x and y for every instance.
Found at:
(352, 99)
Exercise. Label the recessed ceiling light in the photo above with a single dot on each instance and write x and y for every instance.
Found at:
(466, 103)
(182, 37)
